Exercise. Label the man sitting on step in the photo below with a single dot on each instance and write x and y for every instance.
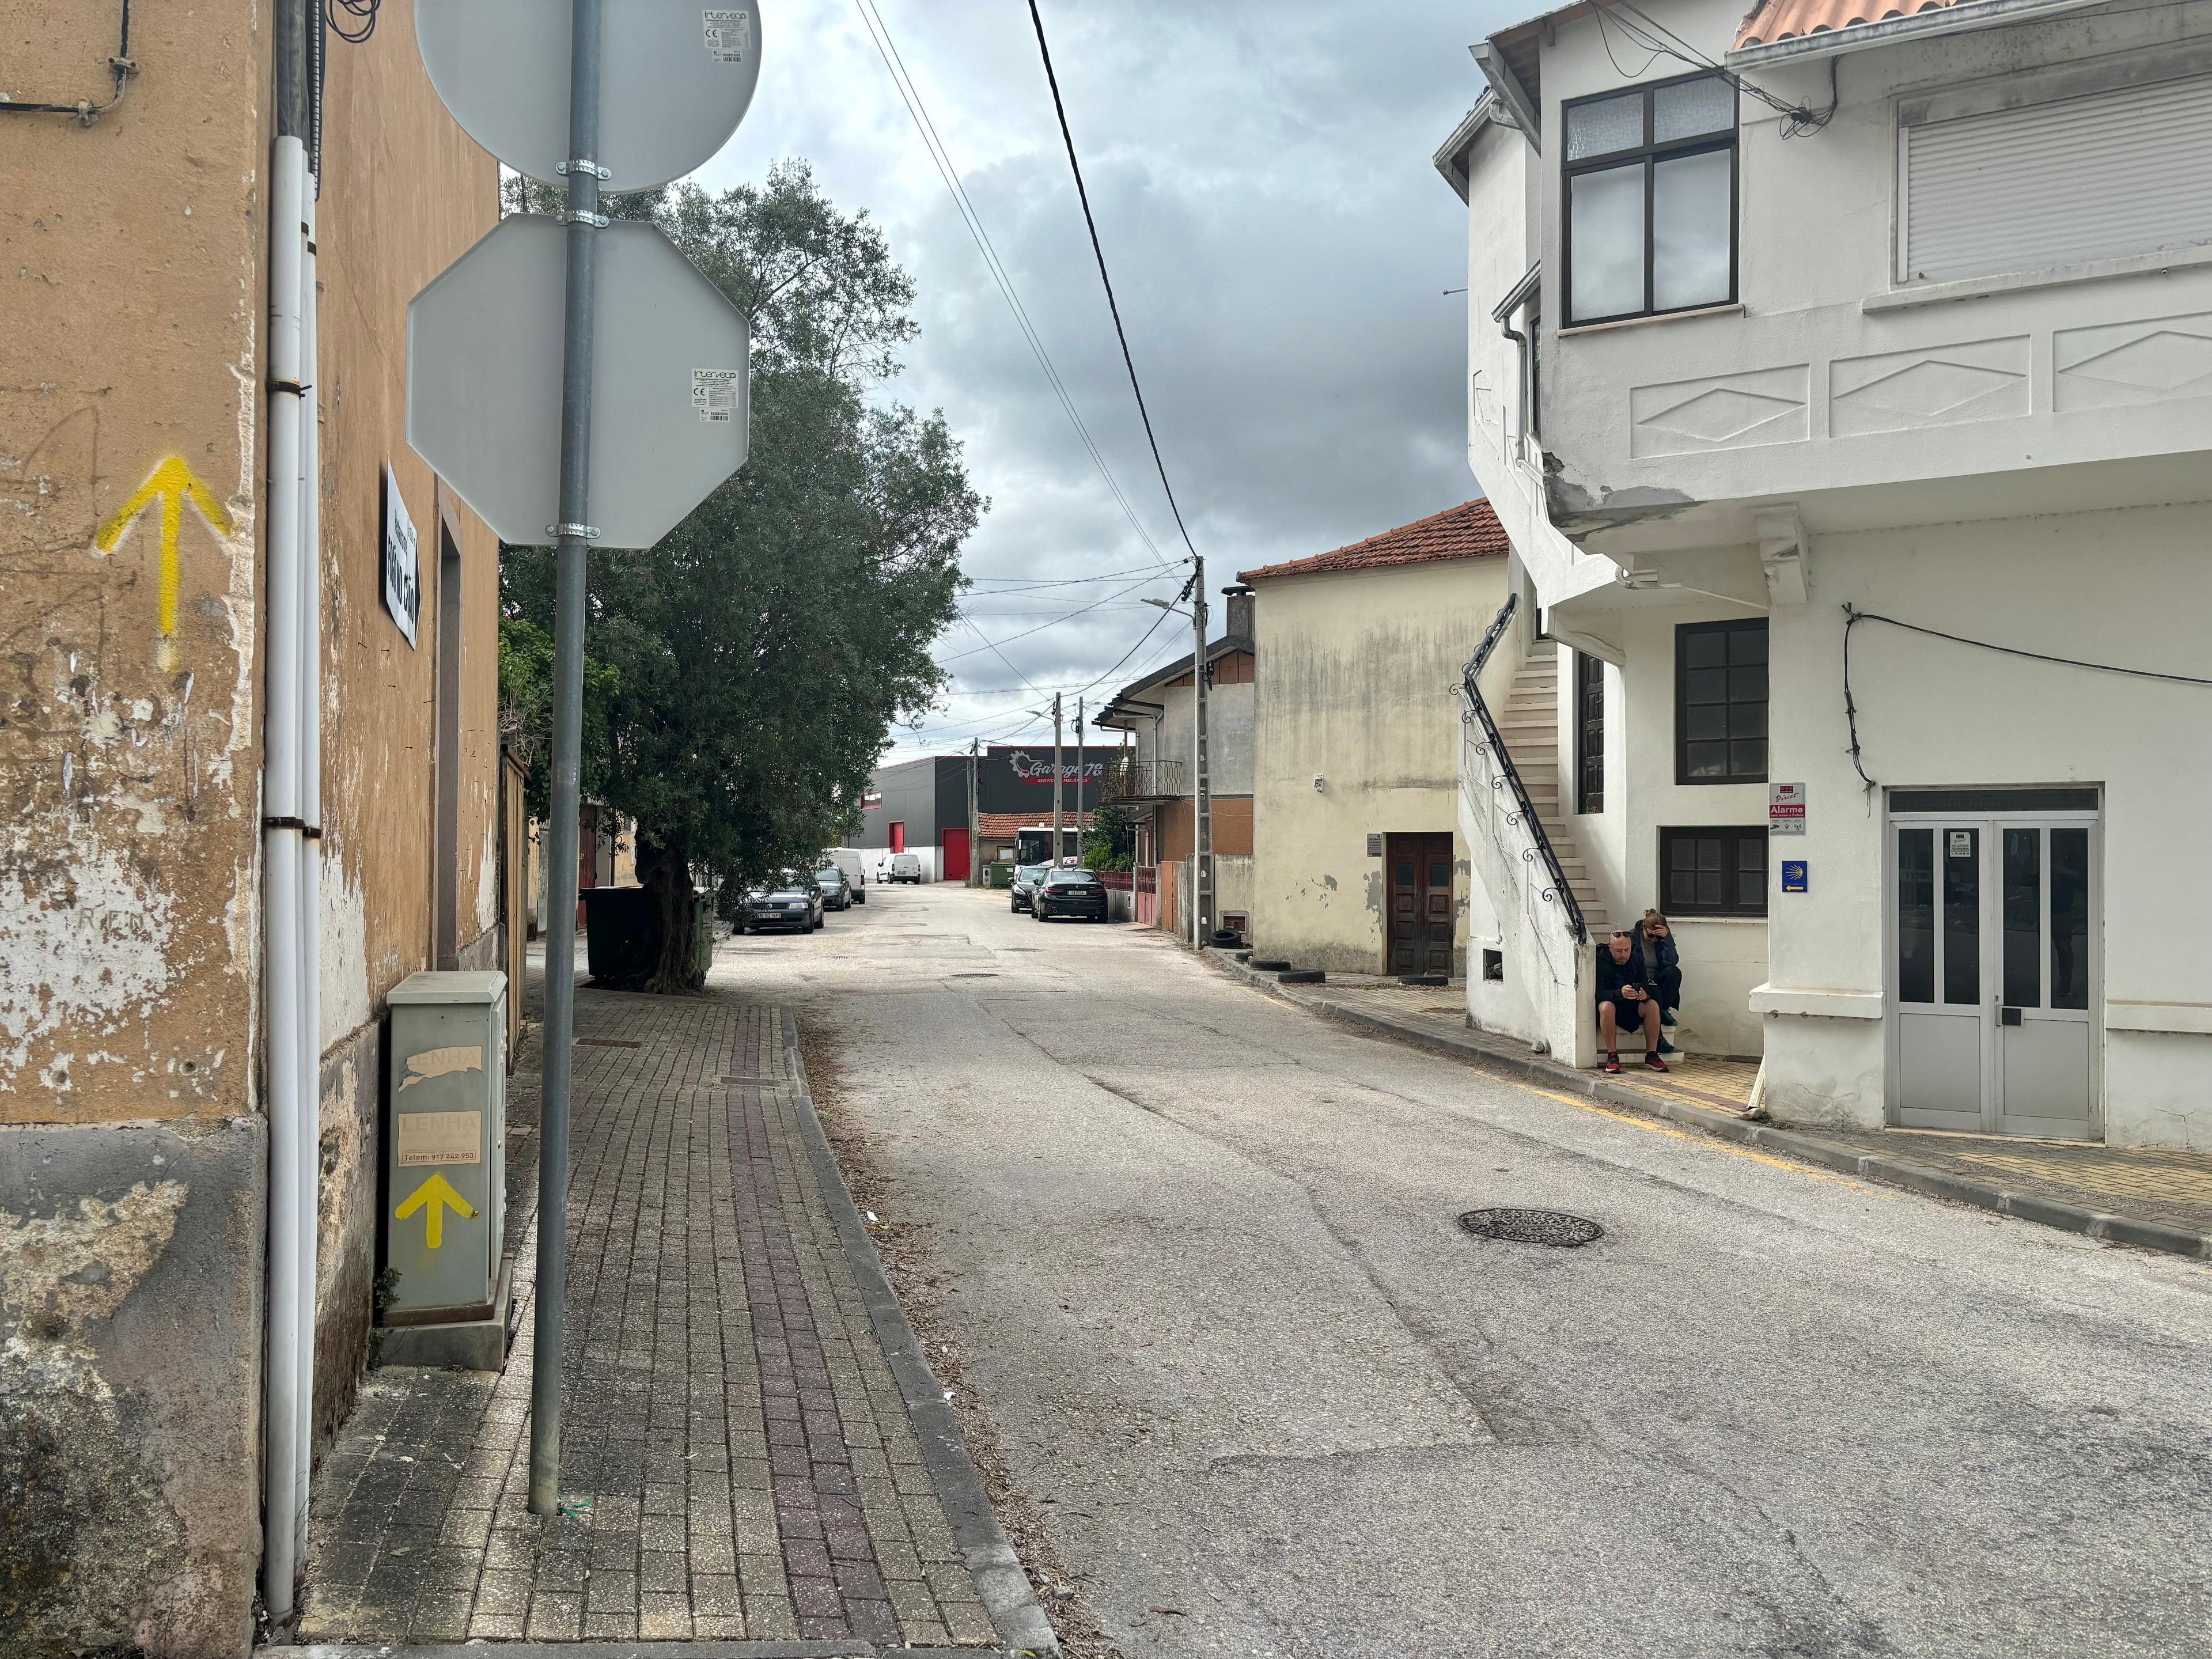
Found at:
(1624, 999)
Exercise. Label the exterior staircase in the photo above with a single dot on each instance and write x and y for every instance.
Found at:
(1529, 723)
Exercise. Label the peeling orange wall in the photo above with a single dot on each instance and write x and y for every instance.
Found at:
(131, 261)
(131, 253)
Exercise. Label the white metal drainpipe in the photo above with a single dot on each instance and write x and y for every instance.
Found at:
(311, 862)
(288, 1350)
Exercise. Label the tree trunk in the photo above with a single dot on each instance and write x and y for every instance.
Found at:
(664, 872)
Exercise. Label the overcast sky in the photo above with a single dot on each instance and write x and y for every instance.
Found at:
(1279, 243)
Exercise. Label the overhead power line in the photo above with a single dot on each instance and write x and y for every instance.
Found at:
(1165, 567)
(1060, 109)
(1065, 616)
(887, 49)
(1164, 614)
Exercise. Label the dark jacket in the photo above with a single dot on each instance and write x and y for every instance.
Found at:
(1612, 976)
(1661, 952)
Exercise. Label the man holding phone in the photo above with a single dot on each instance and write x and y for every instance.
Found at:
(1623, 999)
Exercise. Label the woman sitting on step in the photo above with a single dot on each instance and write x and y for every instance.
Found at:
(1662, 969)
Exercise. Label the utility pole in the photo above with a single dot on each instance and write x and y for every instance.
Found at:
(1201, 908)
(1079, 775)
(974, 819)
(1054, 859)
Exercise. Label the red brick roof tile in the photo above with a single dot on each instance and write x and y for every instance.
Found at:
(1784, 19)
(1468, 532)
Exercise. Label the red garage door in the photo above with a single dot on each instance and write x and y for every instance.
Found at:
(953, 866)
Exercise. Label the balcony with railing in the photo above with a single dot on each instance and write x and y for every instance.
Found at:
(1131, 781)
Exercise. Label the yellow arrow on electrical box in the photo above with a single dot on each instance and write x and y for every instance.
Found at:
(172, 483)
(436, 1194)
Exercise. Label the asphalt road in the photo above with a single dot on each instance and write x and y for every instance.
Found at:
(1199, 1252)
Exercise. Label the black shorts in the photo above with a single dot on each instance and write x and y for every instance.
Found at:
(1627, 1013)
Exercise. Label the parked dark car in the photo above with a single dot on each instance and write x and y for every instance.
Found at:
(836, 892)
(1026, 877)
(788, 900)
(1078, 893)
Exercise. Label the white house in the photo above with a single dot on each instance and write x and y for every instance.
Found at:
(1845, 388)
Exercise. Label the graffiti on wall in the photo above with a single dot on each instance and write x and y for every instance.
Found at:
(172, 483)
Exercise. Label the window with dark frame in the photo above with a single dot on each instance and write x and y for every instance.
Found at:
(1650, 209)
(1719, 872)
(1720, 701)
(1589, 733)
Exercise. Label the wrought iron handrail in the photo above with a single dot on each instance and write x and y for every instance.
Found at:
(1522, 804)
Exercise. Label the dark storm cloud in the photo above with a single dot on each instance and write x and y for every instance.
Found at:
(1279, 242)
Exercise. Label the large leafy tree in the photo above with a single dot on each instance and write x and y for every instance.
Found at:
(745, 670)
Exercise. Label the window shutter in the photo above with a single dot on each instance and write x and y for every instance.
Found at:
(2101, 177)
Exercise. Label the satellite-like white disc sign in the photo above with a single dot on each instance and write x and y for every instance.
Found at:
(671, 400)
(674, 81)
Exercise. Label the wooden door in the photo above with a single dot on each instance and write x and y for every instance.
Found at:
(1420, 872)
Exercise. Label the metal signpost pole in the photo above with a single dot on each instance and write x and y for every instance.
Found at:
(573, 537)
(1201, 906)
(974, 818)
(1078, 777)
(1053, 861)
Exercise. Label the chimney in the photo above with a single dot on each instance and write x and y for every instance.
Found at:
(1237, 619)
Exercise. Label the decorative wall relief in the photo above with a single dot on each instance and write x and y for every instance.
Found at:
(1934, 385)
(2122, 363)
(1725, 411)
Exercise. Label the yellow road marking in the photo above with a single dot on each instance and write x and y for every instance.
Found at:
(1716, 1144)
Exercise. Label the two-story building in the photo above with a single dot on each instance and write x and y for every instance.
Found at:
(1153, 781)
(1356, 862)
(1845, 387)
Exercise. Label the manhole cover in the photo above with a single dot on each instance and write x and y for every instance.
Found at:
(1553, 1227)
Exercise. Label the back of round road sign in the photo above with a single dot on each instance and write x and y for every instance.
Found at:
(674, 83)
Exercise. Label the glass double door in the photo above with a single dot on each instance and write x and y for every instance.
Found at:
(1994, 975)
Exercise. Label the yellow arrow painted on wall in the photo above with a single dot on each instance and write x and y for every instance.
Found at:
(436, 1194)
(172, 483)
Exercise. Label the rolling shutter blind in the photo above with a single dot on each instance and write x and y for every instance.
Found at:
(2101, 177)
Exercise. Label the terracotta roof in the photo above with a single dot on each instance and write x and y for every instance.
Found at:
(1784, 19)
(993, 824)
(1469, 531)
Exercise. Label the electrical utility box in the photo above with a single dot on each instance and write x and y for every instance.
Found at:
(444, 1162)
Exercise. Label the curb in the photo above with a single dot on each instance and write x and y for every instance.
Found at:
(674, 1647)
(1924, 1178)
(998, 1572)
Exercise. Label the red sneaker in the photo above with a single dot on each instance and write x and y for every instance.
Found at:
(1653, 1061)
(1613, 1064)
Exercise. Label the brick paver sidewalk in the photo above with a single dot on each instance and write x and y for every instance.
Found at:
(739, 1462)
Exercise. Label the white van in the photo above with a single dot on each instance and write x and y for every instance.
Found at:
(855, 864)
(905, 866)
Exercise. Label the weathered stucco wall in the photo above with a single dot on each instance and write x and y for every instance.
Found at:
(131, 1251)
(132, 251)
(405, 194)
(1355, 672)
(132, 1148)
